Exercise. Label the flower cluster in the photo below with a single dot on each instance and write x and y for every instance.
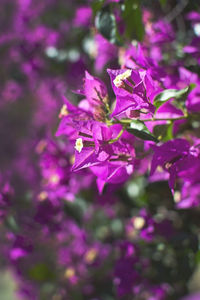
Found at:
(100, 149)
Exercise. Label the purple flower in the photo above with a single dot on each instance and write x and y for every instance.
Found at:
(96, 95)
(137, 58)
(125, 276)
(73, 119)
(133, 90)
(110, 162)
(193, 48)
(105, 150)
(193, 100)
(106, 52)
(193, 16)
(162, 33)
(83, 16)
(141, 226)
(195, 296)
(6, 195)
(21, 247)
(175, 157)
(189, 195)
(58, 181)
(12, 91)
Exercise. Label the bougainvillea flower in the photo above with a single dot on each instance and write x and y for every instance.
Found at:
(162, 32)
(83, 16)
(95, 144)
(175, 157)
(105, 52)
(189, 196)
(193, 16)
(6, 193)
(94, 89)
(141, 226)
(110, 161)
(125, 276)
(193, 48)
(132, 89)
(195, 296)
(193, 99)
(55, 165)
(136, 58)
(73, 119)
(96, 95)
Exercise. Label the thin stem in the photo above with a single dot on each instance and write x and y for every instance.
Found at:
(128, 121)
(176, 10)
(122, 121)
(117, 138)
(165, 119)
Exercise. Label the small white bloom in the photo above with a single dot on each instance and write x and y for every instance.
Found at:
(197, 29)
(177, 196)
(79, 144)
(138, 222)
(63, 111)
(119, 78)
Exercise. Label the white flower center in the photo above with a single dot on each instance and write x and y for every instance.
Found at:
(138, 222)
(118, 81)
(69, 273)
(79, 144)
(63, 111)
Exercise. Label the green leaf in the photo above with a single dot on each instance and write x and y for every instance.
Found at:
(163, 132)
(169, 133)
(137, 124)
(168, 94)
(163, 2)
(132, 15)
(11, 223)
(96, 6)
(41, 272)
(181, 104)
(197, 258)
(106, 24)
(139, 129)
(192, 86)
